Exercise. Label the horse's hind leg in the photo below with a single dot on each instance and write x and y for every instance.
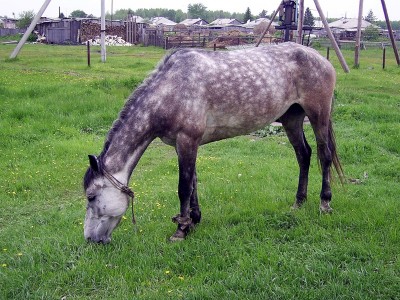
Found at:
(321, 126)
(292, 122)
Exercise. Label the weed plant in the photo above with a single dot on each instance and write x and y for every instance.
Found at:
(54, 110)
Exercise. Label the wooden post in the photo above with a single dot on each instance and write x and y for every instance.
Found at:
(269, 25)
(384, 58)
(327, 53)
(88, 53)
(103, 31)
(330, 35)
(30, 29)
(389, 27)
(300, 23)
(358, 36)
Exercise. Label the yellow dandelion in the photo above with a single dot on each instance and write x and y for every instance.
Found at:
(19, 253)
(167, 272)
(181, 277)
(123, 217)
(4, 265)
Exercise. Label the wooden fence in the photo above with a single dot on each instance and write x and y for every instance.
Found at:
(10, 31)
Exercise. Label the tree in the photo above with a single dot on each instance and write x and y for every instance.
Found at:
(78, 14)
(247, 16)
(197, 10)
(25, 19)
(371, 33)
(309, 19)
(370, 17)
(263, 14)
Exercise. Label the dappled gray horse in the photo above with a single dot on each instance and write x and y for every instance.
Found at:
(196, 97)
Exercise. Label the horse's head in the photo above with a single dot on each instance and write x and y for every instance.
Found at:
(108, 200)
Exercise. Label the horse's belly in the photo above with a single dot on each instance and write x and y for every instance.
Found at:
(223, 127)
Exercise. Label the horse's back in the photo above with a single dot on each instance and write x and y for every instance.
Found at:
(229, 93)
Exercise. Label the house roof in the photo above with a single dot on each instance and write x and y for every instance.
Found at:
(225, 22)
(162, 21)
(349, 24)
(252, 24)
(197, 21)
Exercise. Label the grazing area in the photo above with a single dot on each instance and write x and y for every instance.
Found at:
(54, 110)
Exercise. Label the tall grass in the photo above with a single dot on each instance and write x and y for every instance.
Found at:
(54, 110)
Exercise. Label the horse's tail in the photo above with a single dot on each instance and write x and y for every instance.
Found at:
(335, 157)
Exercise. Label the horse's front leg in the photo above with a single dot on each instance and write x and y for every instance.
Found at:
(195, 213)
(186, 149)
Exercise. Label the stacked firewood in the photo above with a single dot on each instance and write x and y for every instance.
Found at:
(90, 30)
(110, 40)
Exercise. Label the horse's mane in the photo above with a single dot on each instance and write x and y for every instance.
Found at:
(123, 115)
(140, 90)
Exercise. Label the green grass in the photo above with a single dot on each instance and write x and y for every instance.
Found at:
(54, 110)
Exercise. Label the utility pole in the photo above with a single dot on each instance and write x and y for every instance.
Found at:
(358, 36)
(29, 30)
(103, 31)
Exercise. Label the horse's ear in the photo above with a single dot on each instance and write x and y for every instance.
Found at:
(94, 163)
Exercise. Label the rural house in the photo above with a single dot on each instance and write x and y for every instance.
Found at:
(346, 29)
(8, 23)
(193, 22)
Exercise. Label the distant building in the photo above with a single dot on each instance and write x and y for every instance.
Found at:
(225, 22)
(162, 22)
(347, 28)
(252, 24)
(8, 23)
(192, 22)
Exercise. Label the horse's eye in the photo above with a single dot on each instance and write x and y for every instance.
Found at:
(91, 198)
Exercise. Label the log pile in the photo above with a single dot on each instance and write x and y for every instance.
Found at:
(110, 40)
(91, 30)
(231, 38)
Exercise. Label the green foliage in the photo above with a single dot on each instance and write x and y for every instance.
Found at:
(176, 15)
(370, 17)
(394, 24)
(308, 17)
(54, 110)
(197, 10)
(371, 33)
(32, 37)
(25, 19)
(269, 130)
(263, 14)
(78, 14)
(247, 15)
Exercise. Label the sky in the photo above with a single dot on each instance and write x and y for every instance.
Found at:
(331, 9)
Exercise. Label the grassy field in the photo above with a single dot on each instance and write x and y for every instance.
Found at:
(54, 110)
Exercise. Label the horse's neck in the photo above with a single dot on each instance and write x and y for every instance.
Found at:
(127, 146)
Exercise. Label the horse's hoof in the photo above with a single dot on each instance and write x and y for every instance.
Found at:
(297, 204)
(325, 208)
(175, 239)
(178, 236)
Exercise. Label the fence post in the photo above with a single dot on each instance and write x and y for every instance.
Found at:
(327, 53)
(88, 53)
(384, 58)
